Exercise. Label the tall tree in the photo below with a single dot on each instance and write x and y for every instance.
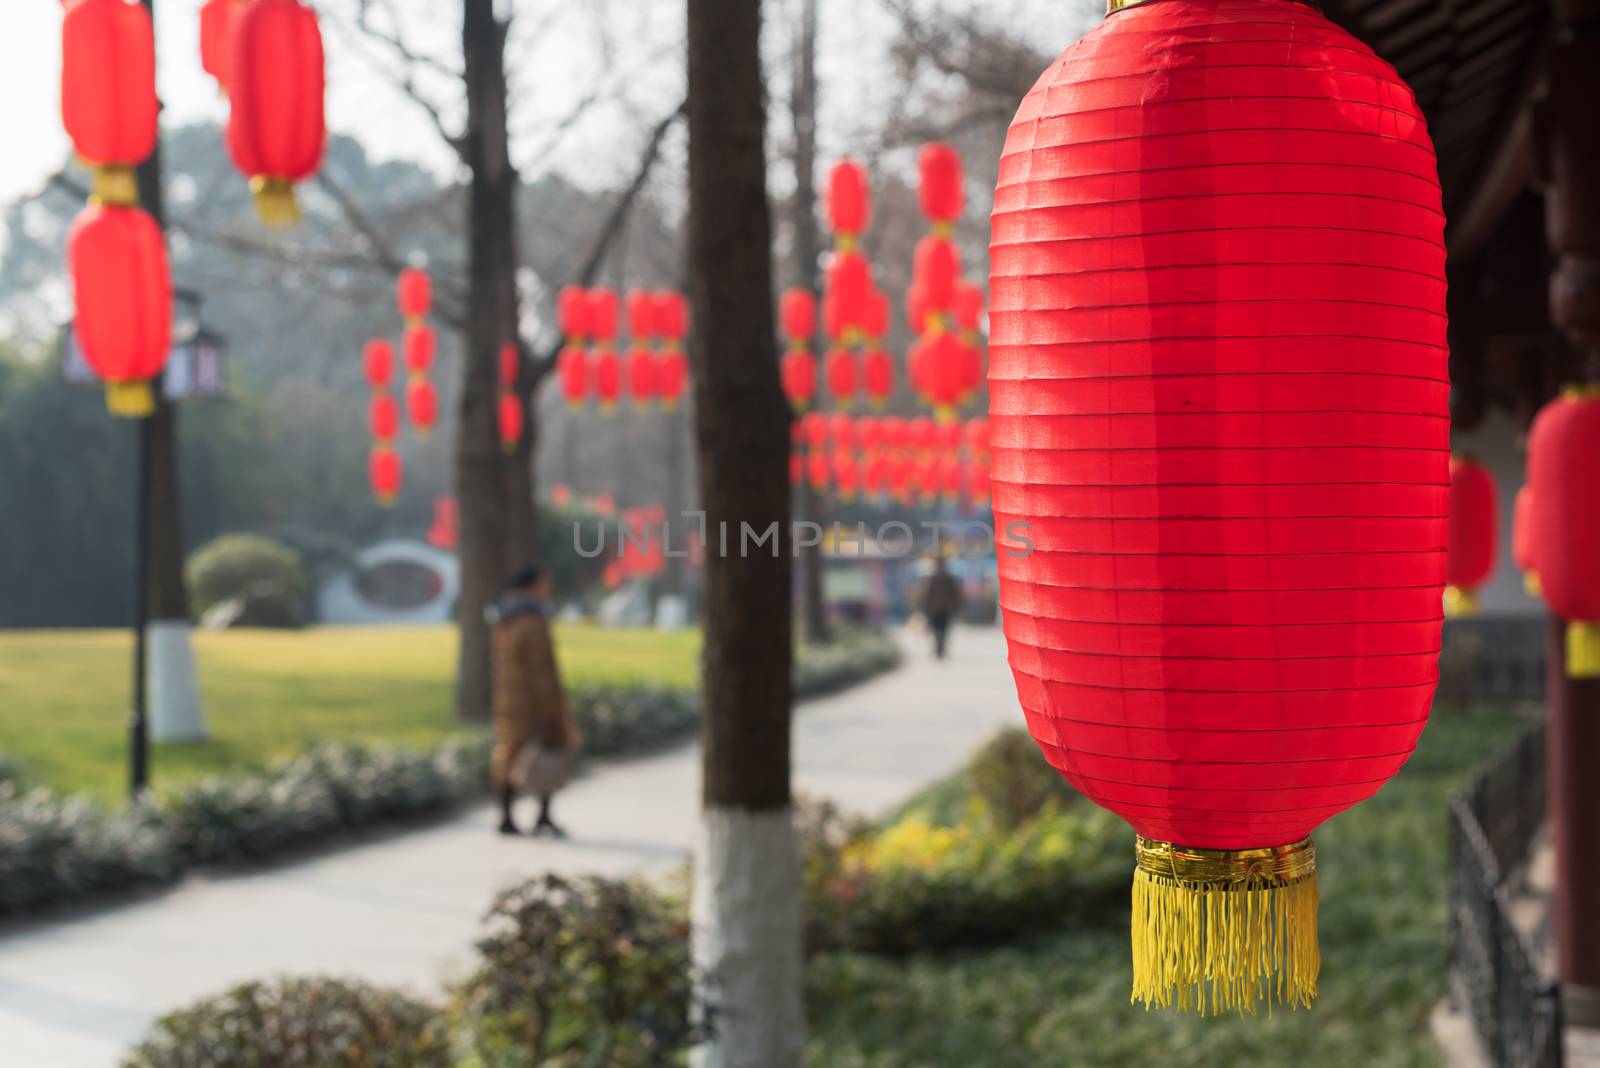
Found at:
(746, 908)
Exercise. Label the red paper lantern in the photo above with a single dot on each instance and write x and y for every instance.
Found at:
(878, 311)
(377, 363)
(419, 345)
(797, 468)
(216, 38)
(877, 376)
(797, 310)
(944, 195)
(572, 310)
(1473, 534)
(414, 295)
(799, 372)
(818, 469)
(510, 363)
(672, 366)
(276, 130)
(943, 367)
(849, 201)
(383, 417)
(511, 421)
(644, 376)
(976, 436)
(901, 469)
(938, 274)
(798, 314)
(893, 430)
(919, 313)
(386, 474)
(846, 475)
(1523, 539)
(922, 434)
(605, 369)
(572, 368)
(1562, 470)
(445, 533)
(1218, 401)
(422, 405)
(840, 369)
(842, 431)
(848, 300)
(672, 377)
(672, 316)
(643, 315)
(122, 288)
(108, 92)
(814, 427)
(602, 314)
(875, 477)
(869, 434)
(948, 477)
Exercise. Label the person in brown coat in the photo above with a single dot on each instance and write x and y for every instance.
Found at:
(535, 738)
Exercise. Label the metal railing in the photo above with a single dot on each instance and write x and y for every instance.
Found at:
(1514, 1008)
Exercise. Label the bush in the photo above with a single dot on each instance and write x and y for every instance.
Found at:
(54, 850)
(262, 577)
(307, 1023)
(1012, 782)
(632, 719)
(579, 973)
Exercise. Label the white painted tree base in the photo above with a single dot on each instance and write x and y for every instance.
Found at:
(174, 697)
(747, 939)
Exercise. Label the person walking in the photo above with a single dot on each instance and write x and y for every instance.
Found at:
(535, 737)
(941, 603)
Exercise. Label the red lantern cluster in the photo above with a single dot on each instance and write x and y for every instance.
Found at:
(1562, 473)
(855, 313)
(418, 349)
(116, 255)
(655, 369)
(385, 470)
(944, 310)
(672, 363)
(889, 458)
(797, 314)
(1472, 537)
(512, 418)
(419, 346)
(273, 71)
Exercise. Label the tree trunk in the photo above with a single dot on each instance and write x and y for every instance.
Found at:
(174, 698)
(746, 908)
(494, 488)
(807, 251)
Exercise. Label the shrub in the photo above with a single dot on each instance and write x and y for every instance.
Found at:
(264, 578)
(1012, 782)
(307, 1023)
(579, 973)
(54, 850)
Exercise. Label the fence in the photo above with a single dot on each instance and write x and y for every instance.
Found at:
(1515, 1010)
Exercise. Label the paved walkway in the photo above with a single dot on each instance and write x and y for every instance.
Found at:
(403, 910)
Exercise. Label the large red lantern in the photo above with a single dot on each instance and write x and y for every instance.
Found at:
(108, 92)
(1218, 396)
(1562, 470)
(1523, 517)
(276, 130)
(122, 288)
(386, 474)
(1473, 535)
(216, 38)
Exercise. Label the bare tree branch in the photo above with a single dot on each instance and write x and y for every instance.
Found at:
(410, 62)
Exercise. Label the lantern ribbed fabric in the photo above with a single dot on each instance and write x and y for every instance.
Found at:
(1218, 404)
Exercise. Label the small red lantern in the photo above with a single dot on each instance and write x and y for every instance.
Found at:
(377, 363)
(672, 316)
(798, 370)
(1523, 540)
(799, 373)
(108, 92)
(1474, 518)
(877, 376)
(422, 405)
(644, 376)
(976, 436)
(948, 477)
(842, 431)
(216, 39)
(643, 316)
(572, 368)
(869, 434)
(572, 309)
(414, 295)
(798, 312)
(902, 469)
(510, 364)
(944, 195)
(419, 345)
(383, 417)
(386, 474)
(277, 131)
(604, 309)
(818, 468)
(840, 370)
(848, 300)
(943, 364)
(1562, 467)
(922, 434)
(511, 421)
(672, 366)
(814, 429)
(938, 274)
(846, 474)
(893, 430)
(797, 468)
(123, 291)
(849, 202)
(875, 476)
(605, 368)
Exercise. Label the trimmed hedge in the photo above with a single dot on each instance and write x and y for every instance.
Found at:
(57, 850)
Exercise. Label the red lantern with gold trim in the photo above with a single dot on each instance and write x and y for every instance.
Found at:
(108, 92)
(276, 129)
(1219, 405)
(386, 473)
(798, 370)
(1473, 535)
(605, 367)
(943, 190)
(1563, 472)
(840, 369)
(672, 365)
(849, 202)
(122, 288)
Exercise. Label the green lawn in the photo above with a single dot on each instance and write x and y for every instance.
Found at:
(1061, 996)
(269, 694)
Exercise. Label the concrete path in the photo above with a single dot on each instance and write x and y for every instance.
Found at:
(403, 910)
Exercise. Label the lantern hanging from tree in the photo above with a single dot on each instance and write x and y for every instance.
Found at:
(1218, 399)
(849, 203)
(605, 367)
(943, 184)
(418, 347)
(383, 418)
(1563, 472)
(840, 371)
(798, 313)
(643, 369)
(414, 295)
(1522, 540)
(511, 420)
(377, 363)
(108, 92)
(386, 474)
(122, 290)
(818, 469)
(422, 405)
(216, 38)
(1471, 545)
(672, 364)
(276, 129)
(572, 365)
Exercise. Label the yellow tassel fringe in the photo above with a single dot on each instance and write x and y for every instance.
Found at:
(1460, 603)
(1583, 650)
(1225, 932)
(132, 399)
(275, 201)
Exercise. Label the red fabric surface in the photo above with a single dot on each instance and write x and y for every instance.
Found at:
(1218, 402)
(1474, 508)
(276, 127)
(122, 288)
(1561, 465)
(108, 81)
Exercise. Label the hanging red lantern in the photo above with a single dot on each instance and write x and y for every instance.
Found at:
(216, 39)
(942, 367)
(892, 431)
(877, 376)
(919, 314)
(814, 429)
(108, 92)
(122, 288)
(672, 316)
(386, 474)
(572, 369)
(604, 309)
(901, 470)
(842, 431)
(947, 437)
(944, 195)
(848, 297)
(797, 468)
(938, 275)
(846, 475)
(643, 316)
(948, 477)
(878, 311)
(605, 369)
(414, 295)
(572, 311)
(644, 376)
(875, 477)
(422, 405)
(1562, 451)
(419, 345)
(1473, 533)
(510, 364)
(511, 421)
(1231, 452)
(818, 469)
(276, 129)
(383, 417)
(922, 434)
(377, 363)
(840, 370)
(849, 202)
(672, 365)
(1523, 540)
(925, 477)
(798, 312)
(672, 369)
(798, 369)
(869, 434)
(976, 436)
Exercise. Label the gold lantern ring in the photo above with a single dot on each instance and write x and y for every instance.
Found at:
(1224, 868)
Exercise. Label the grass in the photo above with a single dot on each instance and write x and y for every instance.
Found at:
(1061, 996)
(270, 694)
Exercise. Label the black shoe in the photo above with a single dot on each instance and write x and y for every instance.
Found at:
(548, 828)
(510, 829)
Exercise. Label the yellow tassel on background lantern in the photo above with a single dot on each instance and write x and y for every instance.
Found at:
(130, 400)
(1217, 932)
(1531, 584)
(1459, 602)
(275, 201)
(1583, 650)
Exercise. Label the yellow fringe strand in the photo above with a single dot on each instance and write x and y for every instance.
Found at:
(114, 184)
(1583, 650)
(131, 399)
(1460, 603)
(1218, 932)
(275, 201)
